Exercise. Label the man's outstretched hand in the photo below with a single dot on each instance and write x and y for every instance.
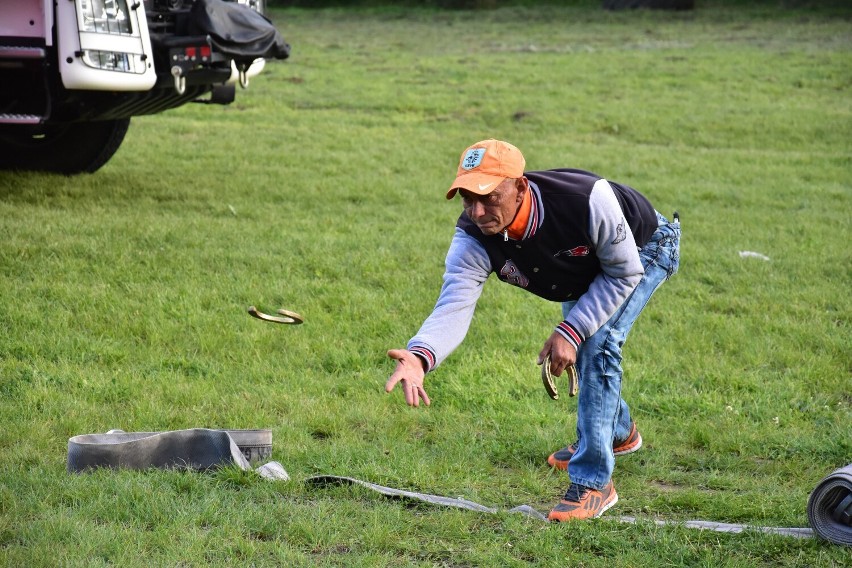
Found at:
(409, 371)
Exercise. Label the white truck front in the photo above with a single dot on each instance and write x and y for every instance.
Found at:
(73, 73)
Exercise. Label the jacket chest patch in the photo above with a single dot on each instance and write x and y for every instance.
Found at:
(513, 274)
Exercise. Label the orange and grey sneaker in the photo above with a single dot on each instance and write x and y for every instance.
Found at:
(582, 502)
(560, 458)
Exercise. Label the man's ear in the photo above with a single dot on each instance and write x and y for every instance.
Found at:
(523, 186)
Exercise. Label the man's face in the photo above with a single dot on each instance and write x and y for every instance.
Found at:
(494, 212)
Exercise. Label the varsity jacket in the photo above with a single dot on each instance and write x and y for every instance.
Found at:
(580, 245)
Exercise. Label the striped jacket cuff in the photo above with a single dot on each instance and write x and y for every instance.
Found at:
(568, 331)
(427, 355)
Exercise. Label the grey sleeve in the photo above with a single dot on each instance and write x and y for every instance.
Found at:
(466, 269)
(621, 267)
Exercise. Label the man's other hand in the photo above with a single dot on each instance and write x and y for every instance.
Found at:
(562, 353)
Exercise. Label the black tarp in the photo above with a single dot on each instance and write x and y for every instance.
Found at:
(237, 31)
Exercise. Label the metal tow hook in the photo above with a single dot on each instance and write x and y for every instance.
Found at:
(180, 80)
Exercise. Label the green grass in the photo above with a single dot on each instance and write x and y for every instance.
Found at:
(124, 296)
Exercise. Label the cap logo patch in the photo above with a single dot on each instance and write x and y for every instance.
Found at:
(472, 158)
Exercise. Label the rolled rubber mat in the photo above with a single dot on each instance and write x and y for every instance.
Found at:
(830, 507)
(196, 448)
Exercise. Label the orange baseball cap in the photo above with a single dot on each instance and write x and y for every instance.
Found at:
(484, 166)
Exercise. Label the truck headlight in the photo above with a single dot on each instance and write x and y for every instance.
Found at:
(113, 61)
(104, 16)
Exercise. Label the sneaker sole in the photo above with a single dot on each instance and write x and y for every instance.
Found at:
(607, 507)
(631, 449)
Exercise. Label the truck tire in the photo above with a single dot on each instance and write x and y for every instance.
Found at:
(73, 148)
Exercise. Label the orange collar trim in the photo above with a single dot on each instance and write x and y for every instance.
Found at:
(518, 226)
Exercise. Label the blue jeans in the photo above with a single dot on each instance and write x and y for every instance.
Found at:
(602, 415)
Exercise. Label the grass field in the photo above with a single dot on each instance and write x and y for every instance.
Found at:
(123, 297)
